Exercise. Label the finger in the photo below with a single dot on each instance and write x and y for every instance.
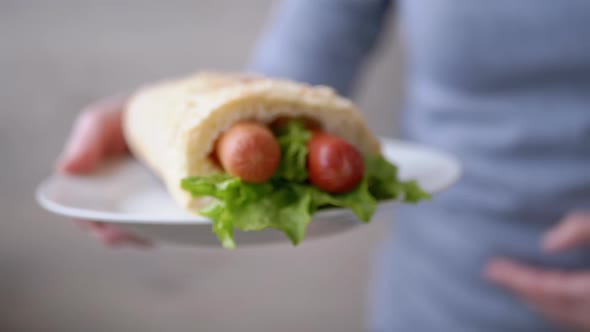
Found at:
(555, 312)
(566, 287)
(573, 231)
(540, 284)
(511, 275)
(96, 133)
(112, 235)
(85, 146)
(87, 225)
(116, 237)
(571, 315)
(561, 297)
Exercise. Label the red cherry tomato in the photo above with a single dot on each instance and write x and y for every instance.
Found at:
(334, 164)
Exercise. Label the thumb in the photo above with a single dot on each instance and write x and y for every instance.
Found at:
(572, 231)
(85, 145)
(97, 132)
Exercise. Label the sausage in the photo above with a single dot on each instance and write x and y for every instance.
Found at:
(249, 151)
(334, 165)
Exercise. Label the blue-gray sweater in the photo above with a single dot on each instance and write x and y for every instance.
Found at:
(505, 86)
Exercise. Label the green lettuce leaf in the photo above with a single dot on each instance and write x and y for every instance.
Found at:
(384, 182)
(293, 138)
(281, 205)
(287, 202)
(358, 200)
(253, 207)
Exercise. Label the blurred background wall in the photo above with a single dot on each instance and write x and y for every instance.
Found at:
(58, 55)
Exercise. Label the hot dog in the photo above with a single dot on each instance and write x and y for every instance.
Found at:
(252, 154)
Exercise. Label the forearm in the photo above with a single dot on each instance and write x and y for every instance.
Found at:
(320, 41)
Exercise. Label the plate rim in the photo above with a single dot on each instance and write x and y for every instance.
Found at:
(195, 219)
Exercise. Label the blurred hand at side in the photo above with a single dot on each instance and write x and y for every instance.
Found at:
(561, 296)
(97, 135)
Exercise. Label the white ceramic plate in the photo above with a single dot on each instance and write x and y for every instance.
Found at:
(125, 193)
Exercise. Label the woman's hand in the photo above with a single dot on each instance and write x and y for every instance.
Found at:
(97, 134)
(561, 296)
